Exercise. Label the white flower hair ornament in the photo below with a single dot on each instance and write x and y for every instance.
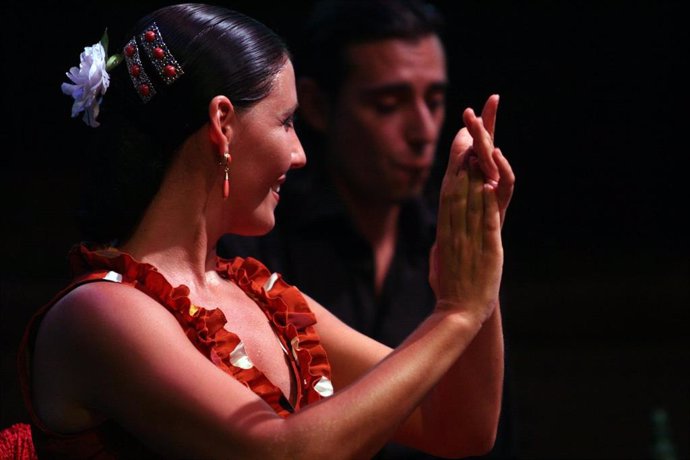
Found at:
(90, 80)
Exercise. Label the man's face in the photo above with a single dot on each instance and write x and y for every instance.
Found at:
(386, 121)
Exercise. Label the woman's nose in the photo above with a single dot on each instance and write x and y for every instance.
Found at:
(298, 157)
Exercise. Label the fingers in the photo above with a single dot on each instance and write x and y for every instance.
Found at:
(504, 190)
(504, 168)
(489, 114)
(477, 139)
(460, 197)
(461, 146)
(452, 206)
(475, 205)
(443, 220)
(478, 136)
(461, 210)
(482, 141)
(451, 248)
(466, 261)
(492, 222)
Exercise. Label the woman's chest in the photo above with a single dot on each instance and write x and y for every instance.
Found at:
(262, 346)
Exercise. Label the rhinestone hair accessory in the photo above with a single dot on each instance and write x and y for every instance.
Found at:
(159, 55)
(140, 79)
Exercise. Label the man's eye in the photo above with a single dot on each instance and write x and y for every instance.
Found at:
(386, 104)
(436, 103)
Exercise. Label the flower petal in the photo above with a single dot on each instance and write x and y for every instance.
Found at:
(91, 80)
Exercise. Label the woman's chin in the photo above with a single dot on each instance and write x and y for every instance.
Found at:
(256, 230)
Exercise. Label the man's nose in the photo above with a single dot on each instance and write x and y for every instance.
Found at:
(422, 126)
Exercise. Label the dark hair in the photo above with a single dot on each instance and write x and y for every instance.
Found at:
(221, 52)
(334, 25)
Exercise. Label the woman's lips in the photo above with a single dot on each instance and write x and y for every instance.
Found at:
(275, 188)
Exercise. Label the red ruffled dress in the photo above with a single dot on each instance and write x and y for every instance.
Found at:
(284, 306)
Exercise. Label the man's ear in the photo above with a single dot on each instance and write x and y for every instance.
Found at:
(221, 114)
(314, 104)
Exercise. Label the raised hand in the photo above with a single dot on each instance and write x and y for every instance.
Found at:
(467, 258)
(477, 139)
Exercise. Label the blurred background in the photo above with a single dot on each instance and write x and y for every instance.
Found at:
(593, 120)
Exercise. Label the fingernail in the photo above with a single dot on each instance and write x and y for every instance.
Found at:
(492, 183)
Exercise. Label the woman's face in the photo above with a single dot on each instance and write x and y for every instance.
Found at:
(263, 148)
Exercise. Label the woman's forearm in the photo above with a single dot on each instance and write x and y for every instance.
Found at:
(372, 408)
(463, 409)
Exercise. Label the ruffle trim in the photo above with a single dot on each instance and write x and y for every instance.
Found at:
(16, 442)
(282, 303)
(288, 311)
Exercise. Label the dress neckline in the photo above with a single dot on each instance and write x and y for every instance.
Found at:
(284, 305)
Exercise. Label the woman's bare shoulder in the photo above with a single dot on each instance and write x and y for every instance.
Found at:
(111, 350)
(97, 329)
(80, 342)
(99, 307)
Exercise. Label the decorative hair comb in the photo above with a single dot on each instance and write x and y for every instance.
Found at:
(91, 79)
(159, 55)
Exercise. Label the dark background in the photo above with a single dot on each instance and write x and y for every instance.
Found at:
(592, 118)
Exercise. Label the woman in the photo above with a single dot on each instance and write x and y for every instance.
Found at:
(159, 348)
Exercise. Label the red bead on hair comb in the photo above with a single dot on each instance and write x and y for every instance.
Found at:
(140, 80)
(162, 59)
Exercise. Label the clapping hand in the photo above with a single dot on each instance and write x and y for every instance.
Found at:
(467, 258)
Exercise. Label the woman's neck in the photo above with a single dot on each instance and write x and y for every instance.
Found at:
(176, 233)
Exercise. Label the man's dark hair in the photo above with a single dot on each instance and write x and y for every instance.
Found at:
(335, 25)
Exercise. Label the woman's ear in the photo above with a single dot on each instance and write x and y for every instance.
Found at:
(221, 114)
(313, 104)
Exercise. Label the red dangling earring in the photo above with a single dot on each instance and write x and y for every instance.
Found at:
(226, 183)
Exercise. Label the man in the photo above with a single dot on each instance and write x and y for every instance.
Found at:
(354, 228)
